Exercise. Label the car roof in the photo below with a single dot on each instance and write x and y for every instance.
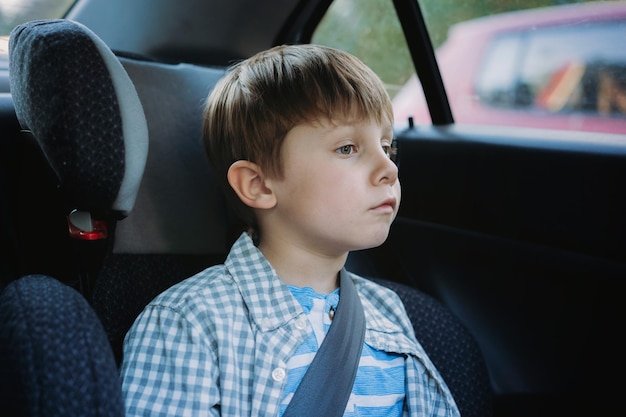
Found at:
(202, 32)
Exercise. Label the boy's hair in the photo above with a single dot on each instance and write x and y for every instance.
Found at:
(254, 106)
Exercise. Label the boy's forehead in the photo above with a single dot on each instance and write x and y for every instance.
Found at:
(328, 126)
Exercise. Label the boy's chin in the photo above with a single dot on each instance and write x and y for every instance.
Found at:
(373, 241)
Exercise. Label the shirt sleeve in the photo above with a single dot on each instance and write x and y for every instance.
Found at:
(167, 368)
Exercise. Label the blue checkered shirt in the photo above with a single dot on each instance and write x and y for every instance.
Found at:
(218, 343)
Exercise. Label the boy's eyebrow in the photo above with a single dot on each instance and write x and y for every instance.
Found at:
(388, 131)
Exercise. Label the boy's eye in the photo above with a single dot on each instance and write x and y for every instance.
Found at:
(391, 150)
(346, 150)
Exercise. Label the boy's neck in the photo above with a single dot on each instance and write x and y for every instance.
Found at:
(301, 267)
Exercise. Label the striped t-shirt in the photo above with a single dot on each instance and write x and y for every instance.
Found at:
(379, 386)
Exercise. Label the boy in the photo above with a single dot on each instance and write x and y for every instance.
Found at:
(302, 138)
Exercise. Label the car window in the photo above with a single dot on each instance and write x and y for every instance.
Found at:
(370, 30)
(521, 63)
(15, 12)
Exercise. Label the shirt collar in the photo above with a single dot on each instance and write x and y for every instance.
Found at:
(268, 299)
(270, 302)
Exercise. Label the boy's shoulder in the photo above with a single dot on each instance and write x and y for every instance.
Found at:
(373, 289)
(382, 304)
(212, 281)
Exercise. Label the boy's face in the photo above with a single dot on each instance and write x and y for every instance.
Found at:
(339, 190)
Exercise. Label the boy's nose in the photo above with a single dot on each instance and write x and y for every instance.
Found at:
(386, 170)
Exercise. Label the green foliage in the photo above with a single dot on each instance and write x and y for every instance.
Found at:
(370, 30)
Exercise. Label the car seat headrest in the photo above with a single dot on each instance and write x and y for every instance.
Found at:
(73, 94)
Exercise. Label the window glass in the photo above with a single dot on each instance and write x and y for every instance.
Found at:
(566, 68)
(369, 29)
(498, 76)
(561, 69)
(15, 12)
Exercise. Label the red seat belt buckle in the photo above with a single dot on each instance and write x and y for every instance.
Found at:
(83, 227)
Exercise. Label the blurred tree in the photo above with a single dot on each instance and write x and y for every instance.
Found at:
(370, 30)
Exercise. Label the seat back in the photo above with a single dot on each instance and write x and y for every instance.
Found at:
(451, 347)
(78, 101)
(75, 98)
(180, 222)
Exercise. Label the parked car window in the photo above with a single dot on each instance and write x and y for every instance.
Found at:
(497, 81)
(555, 69)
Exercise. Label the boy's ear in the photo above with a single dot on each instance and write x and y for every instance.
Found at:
(247, 179)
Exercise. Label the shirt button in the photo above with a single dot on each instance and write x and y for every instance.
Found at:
(300, 324)
(278, 374)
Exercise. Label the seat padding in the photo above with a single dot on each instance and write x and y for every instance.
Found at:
(55, 358)
(73, 94)
(180, 208)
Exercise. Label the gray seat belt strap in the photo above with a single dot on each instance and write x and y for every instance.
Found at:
(327, 384)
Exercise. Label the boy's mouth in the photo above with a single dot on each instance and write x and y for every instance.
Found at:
(389, 205)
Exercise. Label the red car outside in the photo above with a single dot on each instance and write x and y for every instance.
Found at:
(561, 67)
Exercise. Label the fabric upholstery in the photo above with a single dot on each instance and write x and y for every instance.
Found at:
(73, 94)
(55, 359)
(451, 348)
(179, 224)
(179, 207)
(127, 283)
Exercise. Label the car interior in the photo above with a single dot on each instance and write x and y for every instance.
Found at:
(508, 251)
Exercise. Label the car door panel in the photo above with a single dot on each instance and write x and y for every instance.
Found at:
(524, 238)
(522, 235)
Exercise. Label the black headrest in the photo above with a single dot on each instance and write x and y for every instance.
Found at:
(72, 93)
